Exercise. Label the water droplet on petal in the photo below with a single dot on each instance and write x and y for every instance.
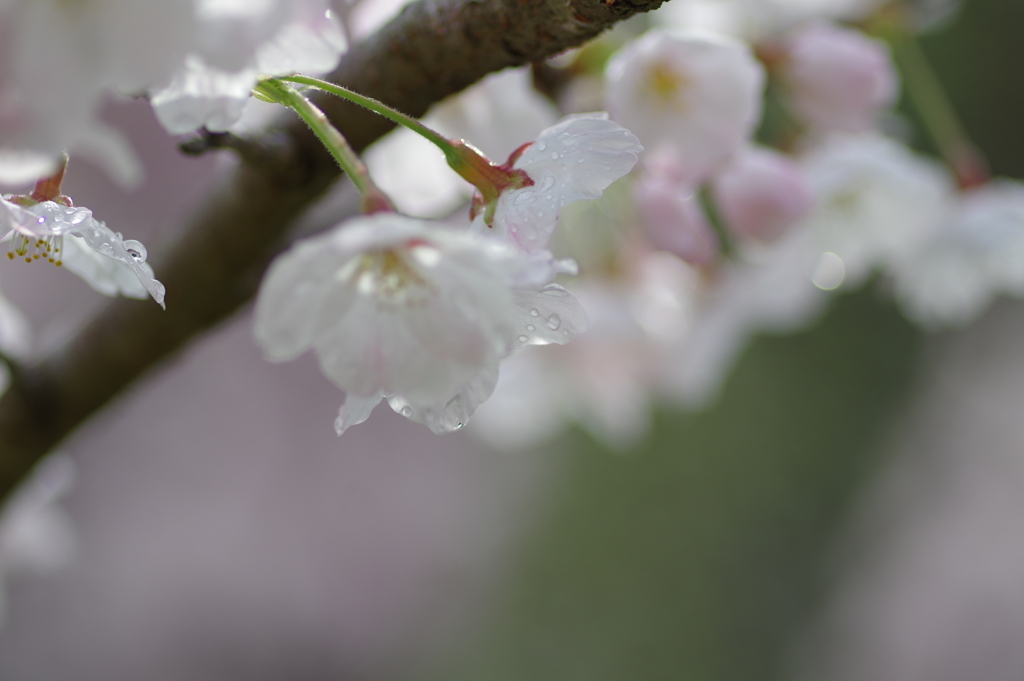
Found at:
(406, 412)
(554, 155)
(548, 183)
(136, 250)
(541, 146)
(531, 328)
(534, 312)
(523, 339)
(554, 321)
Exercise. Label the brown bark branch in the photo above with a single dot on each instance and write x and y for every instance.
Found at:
(433, 49)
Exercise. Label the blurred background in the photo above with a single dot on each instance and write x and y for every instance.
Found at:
(852, 508)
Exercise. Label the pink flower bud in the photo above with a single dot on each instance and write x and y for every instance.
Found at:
(761, 194)
(673, 219)
(839, 79)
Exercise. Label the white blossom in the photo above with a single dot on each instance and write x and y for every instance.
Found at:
(573, 160)
(976, 253)
(696, 96)
(395, 309)
(838, 78)
(266, 39)
(70, 236)
(876, 201)
(61, 58)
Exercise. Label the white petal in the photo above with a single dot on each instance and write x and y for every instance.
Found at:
(201, 95)
(354, 410)
(130, 255)
(550, 315)
(576, 159)
(450, 414)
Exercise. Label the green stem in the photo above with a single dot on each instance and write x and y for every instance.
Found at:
(376, 106)
(462, 157)
(936, 110)
(373, 198)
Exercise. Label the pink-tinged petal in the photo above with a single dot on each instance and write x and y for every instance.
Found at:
(674, 221)
(839, 78)
(761, 194)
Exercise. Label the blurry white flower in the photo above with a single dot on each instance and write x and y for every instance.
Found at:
(767, 288)
(696, 96)
(70, 236)
(877, 201)
(61, 57)
(838, 78)
(761, 194)
(757, 20)
(420, 316)
(573, 160)
(977, 253)
(240, 43)
(608, 380)
(497, 115)
(35, 533)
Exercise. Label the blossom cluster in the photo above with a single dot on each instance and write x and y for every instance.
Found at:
(759, 170)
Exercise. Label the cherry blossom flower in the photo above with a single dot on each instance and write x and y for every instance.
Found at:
(838, 78)
(693, 95)
(976, 253)
(70, 236)
(608, 380)
(240, 43)
(60, 58)
(876, 201)
(420, 316)
(761, 194)
(573, 160)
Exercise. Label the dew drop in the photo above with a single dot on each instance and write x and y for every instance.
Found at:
(136, 250)
(554, 155)
(541, 146)
(531, 328)
(554, 321)
(534, 312)
(549, 182)
(406, 412)
(523, 339)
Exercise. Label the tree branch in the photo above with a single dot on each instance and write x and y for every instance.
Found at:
(435, 48)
